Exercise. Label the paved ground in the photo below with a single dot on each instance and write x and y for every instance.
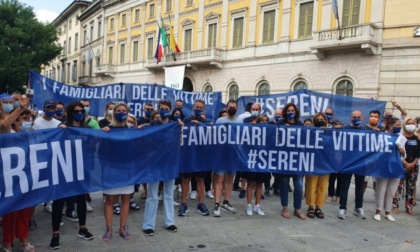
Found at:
(239, 232)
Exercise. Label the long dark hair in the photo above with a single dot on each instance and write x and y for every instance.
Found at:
(69, 111)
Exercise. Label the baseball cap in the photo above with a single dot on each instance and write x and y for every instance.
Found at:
(48, 103)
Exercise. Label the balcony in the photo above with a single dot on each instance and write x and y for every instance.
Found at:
(193, 59)
(87, 80)
(105, 69)
(367, 37)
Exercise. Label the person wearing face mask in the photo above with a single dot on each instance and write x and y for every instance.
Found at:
(195, 119)
(119, 121)
(7, 102)
(16, 97)
(109, 110)
(75, 118)
(92, 123)
(147, 113)
(60, 113)
(291, 115)
(412, 150)
(152, 200)
(47, 120)
(316, 185)
(336, 124)
(223, 179)
(356, 124)
(177, 114)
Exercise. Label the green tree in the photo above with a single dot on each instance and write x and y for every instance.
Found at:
(25, 44)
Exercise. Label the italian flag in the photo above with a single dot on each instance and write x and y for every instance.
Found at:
(162, 43)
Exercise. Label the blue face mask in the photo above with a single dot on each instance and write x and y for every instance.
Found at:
(59, 112)
(148, 113)
(7, 108)
(255, 113)
(48, 113)
(78, 117)
(291, 115)
(164, 113)
(329, 116)
(17, 104)
(277, 118)
(87, 110)
(356, 122)
(26, 126)
(198, 112)
(121, 116)
(396, 130)
(176, 117)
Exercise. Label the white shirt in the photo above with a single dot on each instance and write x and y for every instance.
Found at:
(41, 123)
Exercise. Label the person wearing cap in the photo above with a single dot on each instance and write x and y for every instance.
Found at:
(7, 102)
(47, 120)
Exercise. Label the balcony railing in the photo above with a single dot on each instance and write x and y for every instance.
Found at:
(104, 69)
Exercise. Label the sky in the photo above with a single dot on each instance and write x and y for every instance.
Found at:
(47, 10)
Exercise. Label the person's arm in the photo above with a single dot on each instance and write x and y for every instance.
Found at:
(403, 112)
(11, 118)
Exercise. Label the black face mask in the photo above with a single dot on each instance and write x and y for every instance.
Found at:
(232, 111)
(319, 123)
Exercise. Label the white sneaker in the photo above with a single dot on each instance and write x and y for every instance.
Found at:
(342, 214)
(377, 217)
(193, 195)
(258, 210)
(89, 207)
(176, 204)
(389, 217)
(48, 208)
(210, 195)
(249, 209)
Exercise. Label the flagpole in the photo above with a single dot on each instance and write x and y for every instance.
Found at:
(169, 41)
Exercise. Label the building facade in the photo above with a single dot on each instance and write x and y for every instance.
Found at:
(258, 47)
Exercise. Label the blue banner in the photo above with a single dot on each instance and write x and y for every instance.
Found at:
(39, 166)
(310, 103)
(135, 95)
(290, 150)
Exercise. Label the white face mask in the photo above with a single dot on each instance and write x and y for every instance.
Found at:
(410, 128)
(110, 112)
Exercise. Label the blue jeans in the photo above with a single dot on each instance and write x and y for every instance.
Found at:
(152, 202)
(297, 192)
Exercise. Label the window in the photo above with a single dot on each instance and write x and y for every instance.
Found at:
(90, 67)
(189, 2)
(238, 32)
(187, 40)
(99, 28)
(69, 45)
(76, 41)
(135, 51)
(122, 53)
(136, 16)
(83, 66)
(123, 20)
(68, 72)
(300, 85)
(233, 92)
(263, 89)
(91, 34)
(151, 10)
(351, 10)
(74, 72)
(344, 87)
(268, 26)
(70, 25)
(168, 5)
(65, 48)
(110, 52)
(212, 34)
(63, 73)
(84, 37)
(208, 88)
(150, 52)
(305, 19)
(111, 24)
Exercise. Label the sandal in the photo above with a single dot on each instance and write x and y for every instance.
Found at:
(311, 213)
(27, 247)
(299, 214)
(134, 206)
(410, 212)
(117, 209)
(285, 213)
(329, 199)
(125, 234)
(143, 195)
(108, 235)
(319, 214)
(395, 211)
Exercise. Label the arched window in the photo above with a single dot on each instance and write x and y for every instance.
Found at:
(344, 87)
(207, 88)
(300, 85)
(263, 89)
(233, 92)
(187, 85)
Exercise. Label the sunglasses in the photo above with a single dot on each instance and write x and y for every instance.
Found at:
(78, 111)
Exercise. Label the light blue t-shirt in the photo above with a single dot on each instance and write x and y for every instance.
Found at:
(225, 119)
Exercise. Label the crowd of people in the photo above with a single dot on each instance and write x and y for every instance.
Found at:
(16, 116)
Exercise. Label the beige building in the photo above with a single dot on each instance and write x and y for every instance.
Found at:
(250, 47)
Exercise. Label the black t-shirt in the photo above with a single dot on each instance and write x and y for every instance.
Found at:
(104, 122)
(412, 148)
(143, 120)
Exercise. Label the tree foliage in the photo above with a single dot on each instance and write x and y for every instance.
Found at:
(25, 44)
